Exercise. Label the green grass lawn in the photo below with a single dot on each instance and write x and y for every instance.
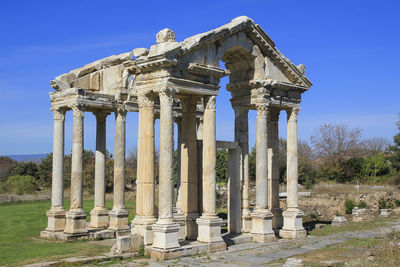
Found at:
(20, 226)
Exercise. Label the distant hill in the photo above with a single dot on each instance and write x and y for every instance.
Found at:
(27, 157)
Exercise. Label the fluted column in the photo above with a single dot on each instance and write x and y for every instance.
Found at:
(242, 137)
(189, 178)
(292, 216)
(261, 228)
(209, 223)
(165, 229)
(56, 215)
(76, 216)
(273, 170)
(118, 214)
(145, 209)
(99, 214)
(178, 179)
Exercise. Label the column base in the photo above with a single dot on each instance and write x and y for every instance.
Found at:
(261, 226)
(277, 219)
(118, 219)
(98, 218)
(179, 218)
(209, 229)
(292, 224)
(246, 221)
(75, 222)
(165, 235)
(143, 226)
(55, 219)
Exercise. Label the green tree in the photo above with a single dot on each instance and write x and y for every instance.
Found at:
(23, 184)
(6, 166)
(45, 168)
(222, 166)
(26, 168)
(374, 166)
(395, 149)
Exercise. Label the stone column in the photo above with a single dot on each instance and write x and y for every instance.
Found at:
(242, 137)
(292, 216)
(261, 227)
(165, 229)
(145, 209)
(273, 170)
(56, 215)
(209, 223)
(234, 200)
(99, 214)
(118, 214)
(189, 180)
(76, 216)
(179, 152)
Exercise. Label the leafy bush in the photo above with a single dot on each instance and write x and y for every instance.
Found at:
(349, 205)
(375, 165)
(23, 184)
(141, 250)
(362, 204)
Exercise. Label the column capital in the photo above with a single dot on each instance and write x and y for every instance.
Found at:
(120, 112)
(145, 101)
(166, 96)
(262, 109)
(292, 114)
(59, 114)
(101, 115)
(210, 102)
(78, 111)
(273, 114)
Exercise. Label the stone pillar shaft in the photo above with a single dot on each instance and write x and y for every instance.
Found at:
(292, 161)
(189, 172)
(99, 214)
(209, 224)
(165, 230)
(57, 195)
(56, 215)
(76, 216)
(242, 136)
(179, 164)
(261, 159)
(292, 216)
(119, 215)
(77, 157)
(145, 208)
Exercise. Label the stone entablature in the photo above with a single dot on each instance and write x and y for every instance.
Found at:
(177, 82)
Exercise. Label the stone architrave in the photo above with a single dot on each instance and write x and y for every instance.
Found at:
(56, 215)
(273, 170)
(292, 216)
(119, 214)
(165, 229)
(76, 216)
(99, 214)
(261, 227)
(145, 208)
(209, 223)
(242, 137)
(189, 180)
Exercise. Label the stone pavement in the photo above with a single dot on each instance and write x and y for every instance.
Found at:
(255, 254)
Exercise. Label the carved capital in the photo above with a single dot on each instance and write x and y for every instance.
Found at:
(165, 35)
(210, 102)
(292, 114)
(145, 101)
(273, 115)
(59, 114)
(262, 109)
(166, 96)
(121, 114)
(101, 116)
(78, 111)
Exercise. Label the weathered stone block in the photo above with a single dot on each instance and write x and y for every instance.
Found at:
(165, 236)
(75, 222)
(209, 229)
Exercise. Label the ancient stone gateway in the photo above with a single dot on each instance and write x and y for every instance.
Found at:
(177, 82)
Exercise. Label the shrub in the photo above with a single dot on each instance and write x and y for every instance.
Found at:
(349, 205)
(141, 250)
(338, 213)
(362, 204)
(314, 215)
(382, 203)
(23, 184)
(375, 165)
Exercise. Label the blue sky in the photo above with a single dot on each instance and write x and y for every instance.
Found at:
(350, 49)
